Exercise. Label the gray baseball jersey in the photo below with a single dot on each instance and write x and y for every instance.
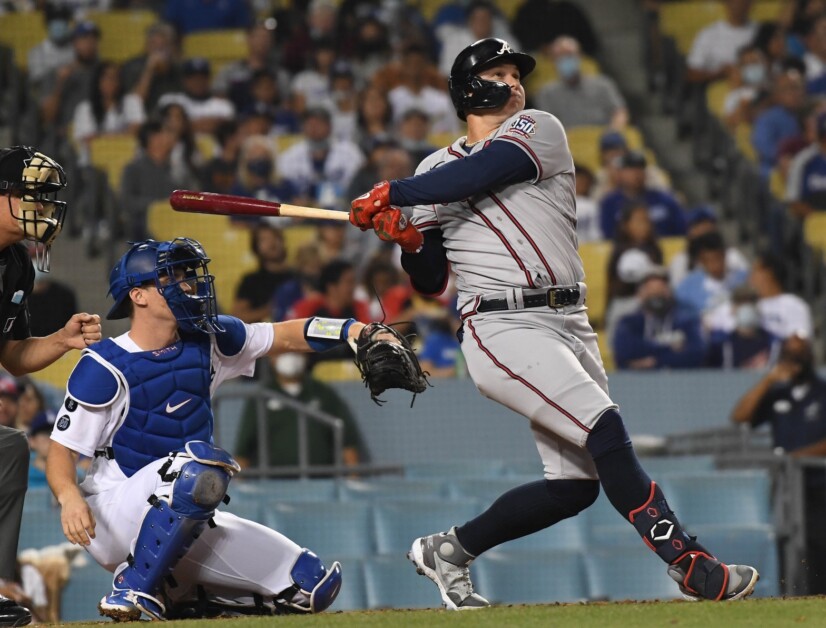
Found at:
(543, 363)
(517, 236)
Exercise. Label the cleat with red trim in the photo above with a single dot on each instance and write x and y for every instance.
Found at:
(702, 577)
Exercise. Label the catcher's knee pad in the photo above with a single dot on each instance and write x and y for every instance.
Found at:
(659, 528)
(314, 588)
(171, 525)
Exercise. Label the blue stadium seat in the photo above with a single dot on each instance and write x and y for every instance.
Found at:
(486, 490)
(535, 578)
(657, 466)
(398, 523)
(330, 529)
(391, 488)
(79, 599)
(724, 497)
(392, 582)
(454, 469)
(754, 545)
(607, 528)
(352, 596)
(568, 534)
(286, 490)
(530, 467)
(38, 500)
(39, 529)
(628, 573)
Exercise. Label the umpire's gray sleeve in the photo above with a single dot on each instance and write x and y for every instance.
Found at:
(14, 479)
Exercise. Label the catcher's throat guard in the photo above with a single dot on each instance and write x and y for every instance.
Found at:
(386, 360)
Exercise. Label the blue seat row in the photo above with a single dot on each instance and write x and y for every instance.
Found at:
(518, 577)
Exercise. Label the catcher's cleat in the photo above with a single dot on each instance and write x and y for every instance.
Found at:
(704, 578)
(127, 605)
(12, 614)
(441, 558)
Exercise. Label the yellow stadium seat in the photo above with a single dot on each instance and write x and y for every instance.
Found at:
(123, 33)
(206, 145)
(57, 373)
(296, 236)
(226, 245)
(21, 32)
(671, 246)
(777, 184)
(606, 352)
(111, 153)
(336, 371)
(220, 47)
(683, 20)
(584, 143)
(446, 138)
(716, 96)
(283, 142)
(742, 137)
(508, 8)
(595, 257)
(545, 72)
(766, 10)
(814, 229)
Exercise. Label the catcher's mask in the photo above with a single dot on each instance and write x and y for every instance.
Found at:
(35, 179)
(178, 269)
(468, 91)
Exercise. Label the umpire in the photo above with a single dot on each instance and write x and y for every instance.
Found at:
(29, 210)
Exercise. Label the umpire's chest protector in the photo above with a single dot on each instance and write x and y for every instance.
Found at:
(169, 400)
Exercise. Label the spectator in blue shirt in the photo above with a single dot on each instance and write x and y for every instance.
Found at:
(711, 282)
(440, 349)
(806, 184)
(190, 16)
(748, 345)
(781, 120)
(661, 334)
(664, 210)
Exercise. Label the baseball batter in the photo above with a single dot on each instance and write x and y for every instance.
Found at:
(140, 404)
(498, 206)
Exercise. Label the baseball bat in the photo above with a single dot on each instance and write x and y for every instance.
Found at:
(229, 205)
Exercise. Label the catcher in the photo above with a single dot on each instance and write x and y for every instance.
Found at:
(140, 404)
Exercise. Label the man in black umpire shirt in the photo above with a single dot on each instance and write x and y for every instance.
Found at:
(29, 210)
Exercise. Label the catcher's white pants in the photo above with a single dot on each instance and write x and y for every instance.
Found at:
(233, 559)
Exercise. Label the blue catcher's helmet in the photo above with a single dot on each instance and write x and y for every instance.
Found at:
(180, 261)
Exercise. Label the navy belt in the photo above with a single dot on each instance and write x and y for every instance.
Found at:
(551, 297)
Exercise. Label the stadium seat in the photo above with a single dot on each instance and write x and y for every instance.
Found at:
(754, 545)
(595, 256)
(526, 467)
(584, 143)
(716, 94)
(336, 371)
(79, 599)
(40, 529)
(296, 236)
(352, 596)
(397, 523)
(219, 47)
(332, 530)
(536, 578)
(683, 20)
(123, 33)
(38, 501)
(283, 142)
(447, 470)
(111, 154)
(57, 373)
(670, 246)
(742, 138)
(226, 245)
(486, 490)
(20, 32)
(814, 229)
(390, 488)
(656, 466)
(392, 582)
(545, 72)
(628, 573)
(724, 497)
(568, 534)
(607, 527)
(322, 490)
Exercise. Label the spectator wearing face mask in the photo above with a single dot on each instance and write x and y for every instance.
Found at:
(748, 345)
(661, 334)
(290, 378)
(56, 50)
(791, 399)
(257, 175)
(750, 83)
(579, 100)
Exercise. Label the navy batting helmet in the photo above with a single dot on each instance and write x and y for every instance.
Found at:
(180, 261)
(468, 91)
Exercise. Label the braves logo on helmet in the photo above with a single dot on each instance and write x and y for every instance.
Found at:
(505, 49)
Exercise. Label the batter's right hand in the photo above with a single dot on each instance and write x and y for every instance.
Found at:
(78, 520)
(368, 205)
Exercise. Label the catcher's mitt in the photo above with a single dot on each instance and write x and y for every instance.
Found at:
(387, 362)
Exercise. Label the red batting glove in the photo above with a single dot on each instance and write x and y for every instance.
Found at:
(366, 206)
(392, 225)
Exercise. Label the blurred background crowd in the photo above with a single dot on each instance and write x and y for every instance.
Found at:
(699, 138)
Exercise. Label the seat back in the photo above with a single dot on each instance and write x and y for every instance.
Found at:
(79, 598)
(595, 256)
(219, 47)
(398, 523)
(396, 489)
(123, 33)
(451, 469)
(532, 578)
(391, 582)
(20, 32)
(628, 573)
(111, 154)
(723, 497)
